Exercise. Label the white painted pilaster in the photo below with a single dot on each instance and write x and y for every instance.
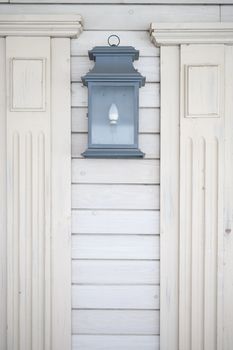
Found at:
(196, 251)
(35, 181)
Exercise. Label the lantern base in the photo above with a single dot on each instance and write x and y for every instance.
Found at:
(113, 153)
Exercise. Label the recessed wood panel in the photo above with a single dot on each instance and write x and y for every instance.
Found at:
(27, 84)
(202, 91)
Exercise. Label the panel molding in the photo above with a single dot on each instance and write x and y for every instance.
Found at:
(191, 33)
(204, 91)
(41, 25)
(26, 92)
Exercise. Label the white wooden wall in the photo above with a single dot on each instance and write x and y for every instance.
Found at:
(115, 222)
(115, 203)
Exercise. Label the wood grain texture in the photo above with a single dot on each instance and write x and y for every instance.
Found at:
(141, 322)
(115, 342)
(115, 272)
(115, 247)
(115, 221)
(115, 196)
(115, 297)
(149, 120)
(135, 171)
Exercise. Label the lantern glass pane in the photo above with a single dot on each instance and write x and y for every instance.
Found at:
(113, 115)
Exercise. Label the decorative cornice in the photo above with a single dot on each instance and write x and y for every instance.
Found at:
(41, 25)
(191, 33)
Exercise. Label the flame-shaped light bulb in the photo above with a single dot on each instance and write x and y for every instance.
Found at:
(113, 114)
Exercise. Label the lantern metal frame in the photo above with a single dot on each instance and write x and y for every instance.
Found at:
(106, 74)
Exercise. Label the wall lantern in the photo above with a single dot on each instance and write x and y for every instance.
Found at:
(113, 94)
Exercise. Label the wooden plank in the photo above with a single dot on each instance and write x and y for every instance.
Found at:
(147, 66)
(3, 200)
(225, 241)
(169, 197)
(115, 196)
(148, 143)
(115, 222)
(148, 95)
(115, 272)
(115, 322)
(115, 342)
(107, 171)
(115, 297)
(149, 120)
(122, 16)
(115, 247)
(61, 222)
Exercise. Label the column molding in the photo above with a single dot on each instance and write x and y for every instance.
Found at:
(164, 34)
(54, 26)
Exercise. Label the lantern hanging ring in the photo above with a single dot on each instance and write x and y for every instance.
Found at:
(114, 36)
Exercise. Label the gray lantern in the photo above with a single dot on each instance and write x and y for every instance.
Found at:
(113, 93)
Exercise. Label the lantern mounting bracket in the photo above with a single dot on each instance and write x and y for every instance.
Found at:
(114, 36)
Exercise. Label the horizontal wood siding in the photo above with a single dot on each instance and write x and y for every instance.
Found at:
(115, 203)
(115, 272)
(120, 322)
(114, 342)
(115, 297)
(115, 221)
